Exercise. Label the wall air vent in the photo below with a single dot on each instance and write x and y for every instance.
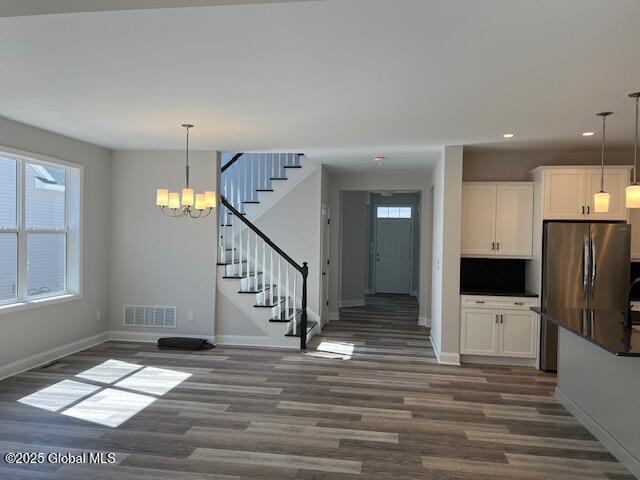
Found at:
(149, 316)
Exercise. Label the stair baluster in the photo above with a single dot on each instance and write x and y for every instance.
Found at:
(256, 262)
(287, 292)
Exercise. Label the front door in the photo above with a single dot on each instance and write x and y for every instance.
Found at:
(393, 255)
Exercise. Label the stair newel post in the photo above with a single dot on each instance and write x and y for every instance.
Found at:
(303, 316)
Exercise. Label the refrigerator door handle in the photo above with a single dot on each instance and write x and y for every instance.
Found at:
(593, 263)
(586, 267)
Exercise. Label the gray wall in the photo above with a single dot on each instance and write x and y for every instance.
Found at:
(156, 260)
(354, 241)
(37, 330)
(500, 166)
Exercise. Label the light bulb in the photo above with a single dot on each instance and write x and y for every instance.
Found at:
(633, 196)
(210, 200)
(162, 197)
(174, 200)
(601, 202)
(187, 197)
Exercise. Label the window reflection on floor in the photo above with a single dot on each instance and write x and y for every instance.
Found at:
(335, 350)
(109, 406)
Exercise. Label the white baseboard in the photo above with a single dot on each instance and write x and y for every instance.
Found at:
(424, 321)
(249, 341)
(615, 448)
(149, 337)
(359, 302)
(334, 316)
(414, 293)
(505, 361)
(43, 358)
(369, 291)
(445, 358)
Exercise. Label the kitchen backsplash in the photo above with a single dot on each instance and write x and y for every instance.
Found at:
(488, 274)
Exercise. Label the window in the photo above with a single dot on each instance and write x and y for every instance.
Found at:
(394, 212)
(39, 229)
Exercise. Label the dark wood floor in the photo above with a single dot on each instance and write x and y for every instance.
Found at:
(367, 401)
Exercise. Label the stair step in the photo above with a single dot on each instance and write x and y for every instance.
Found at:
(284, 317)
(231, 213)
(226, 225)
(240, 277)
(293, 166)
(230, 263)
(250, 201)
(273, 302)
(264, 189)
(291, 333)
(278, 178)
(260, 290)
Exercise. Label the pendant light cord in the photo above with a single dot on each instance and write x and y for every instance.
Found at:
(635, 151)
(604, 116)
(186, 168)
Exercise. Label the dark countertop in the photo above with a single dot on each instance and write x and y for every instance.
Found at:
(498, 293)
(604, 328)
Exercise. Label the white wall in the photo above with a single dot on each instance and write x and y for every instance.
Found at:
(157, 260)
(35, 331)
(445, 324)
(378, 181)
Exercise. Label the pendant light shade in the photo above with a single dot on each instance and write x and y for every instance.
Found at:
(601, 198)
(632, 192)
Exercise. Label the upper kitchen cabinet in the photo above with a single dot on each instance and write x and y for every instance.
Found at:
(567, 192)
(497, 219)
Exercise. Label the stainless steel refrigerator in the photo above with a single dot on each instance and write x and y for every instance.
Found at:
(585, 265)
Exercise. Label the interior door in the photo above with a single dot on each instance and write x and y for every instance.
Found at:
(514, 220)
(326, 225)
(393, 255)
(478, 227)
(615, 181)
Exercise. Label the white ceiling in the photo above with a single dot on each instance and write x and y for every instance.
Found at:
(341, 80)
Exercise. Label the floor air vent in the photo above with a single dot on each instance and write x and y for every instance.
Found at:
(149, 316)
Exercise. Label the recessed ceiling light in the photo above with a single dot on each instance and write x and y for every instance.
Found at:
(378, 158)
(508, 135)
(588, 134)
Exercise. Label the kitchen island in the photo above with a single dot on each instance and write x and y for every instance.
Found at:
(599, 376)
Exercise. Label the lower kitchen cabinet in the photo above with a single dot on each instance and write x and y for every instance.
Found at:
(498, 327)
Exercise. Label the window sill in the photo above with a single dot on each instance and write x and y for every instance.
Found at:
(40, 302)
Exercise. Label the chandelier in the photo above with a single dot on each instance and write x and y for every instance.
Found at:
(195, 206)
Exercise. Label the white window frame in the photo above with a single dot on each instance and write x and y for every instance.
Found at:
(410, 207)
(74, 175)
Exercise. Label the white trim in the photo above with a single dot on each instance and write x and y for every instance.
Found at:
(369, 291)
(37, 303)
(424, 321)
(414, 293)
(352, 303)
(43, 358)
(150, 337)
(505, 361)
(334, 316)
(610, 443)
(249, 341)
(445, 358)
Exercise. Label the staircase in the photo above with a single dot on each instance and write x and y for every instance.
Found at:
(260, 278)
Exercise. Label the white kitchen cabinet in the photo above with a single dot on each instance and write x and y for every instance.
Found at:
(498, 327)
(497, 219)
(478, 228)
(517, 334)
(567, 192)
(479, 332)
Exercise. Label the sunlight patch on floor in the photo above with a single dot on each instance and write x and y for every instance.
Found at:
(109, 371)
(59, 395)
(110, 407)
(333, 350)
(156, 381)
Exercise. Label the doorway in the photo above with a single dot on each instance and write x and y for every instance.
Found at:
(325, 263)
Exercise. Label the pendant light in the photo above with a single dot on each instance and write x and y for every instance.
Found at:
(193, 205)
(633, 191)
(601, 199)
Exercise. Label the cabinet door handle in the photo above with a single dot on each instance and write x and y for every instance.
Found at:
(501, 318)
(493, 246)
(518, 303)
(479, 301)
(497, 318)
(583, 210)
(498, 246)
(588, 210)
